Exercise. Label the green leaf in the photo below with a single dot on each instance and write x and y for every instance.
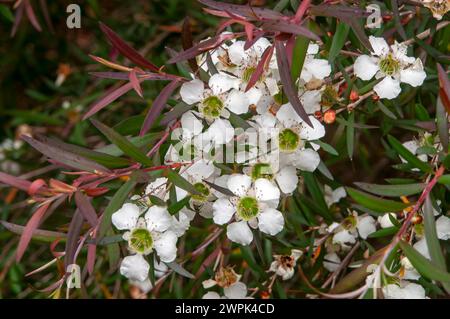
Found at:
(432, 239)
(177, 206)
(298, 56)
(384, 232)
(181, 182)
(425, 267)
(442, 123)
(338, 40)
(444, 179)
(408, 156)
(114, 205)
(138, 141)
(392, 190)
(326, 147)
(375, 203)
(180, 270)
(124, 144)
(386, 111)
(350, 134)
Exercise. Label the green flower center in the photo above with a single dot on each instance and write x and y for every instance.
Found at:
(247, 208)
(141, 241)
(203, 190)
(349, 222)
(247, 74)
(389, 65)
(262, 170)
(212, 106)
(288, 140)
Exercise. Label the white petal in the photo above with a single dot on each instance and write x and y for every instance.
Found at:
(158, 218)
(318, 68)
(288, 116)
(331, 262)
(211, 295)
(313, 48)
(237, 102)
(220, 132)
(365, 67)
(222, 182)
(287, 179)
(239, 184)
(135, 267)
(157, 187)
(422, 247)
(200, 170)
(145, 286)
(240, 233)
(238, 290)
(388, 88)
(312, 133)
(343, 237)
(270, 221)
(166, 246)
(414, 75)
(191, 125)
(253, 95)
(307, 160)
(181, 193)
(126, 217)
(409, 291)
(379, 45)
(443, 227)
(221, 82)
(366, 226)
(192, 92)
(311, 101)
(236, 52)
(223, 210)
(385, 220)
(265, 190)
(260, 46)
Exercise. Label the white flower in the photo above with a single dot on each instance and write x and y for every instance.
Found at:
(237, 290)
(158, 188)
(413, 146)
(406, 290)
(438, 7)
(293, 133)
(352, 227)
(181, 224)
(149, 233)
(284, 265)
(409, 272)
(253, 204)
(334, 196)
(135, 267)
(392, 65)
(366, 226)
(385, 220)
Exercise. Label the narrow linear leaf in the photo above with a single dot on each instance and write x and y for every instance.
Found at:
(29, 229)
(392, 190)
(180, 270)
(181, 182)
(425, 267)
(408, 156)
(286, 80)
(72, 238)
(262, 65)
(375, 203)
(122, 143)
(298, 56)
(157, 106)
(38, 234)
(338, 42)
(126, 50)
(86, 209)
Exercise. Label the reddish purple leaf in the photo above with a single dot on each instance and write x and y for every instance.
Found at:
(135, 82)
(31, 16)
(73, 235)
(158, 106)
(202, 47)
(301, 10)
(247, 11)
(18, 17)
(16, 182)
(187, 42)
(262, 64)
(18, 229)
(108, 98)
(290, 28)
(444, 84)
(65, 157)
(144, 77)
(338, 11)
(86, 208)
(126, 50)
(29, 229)
(286, 80)
(44, 9)
(92, 251)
